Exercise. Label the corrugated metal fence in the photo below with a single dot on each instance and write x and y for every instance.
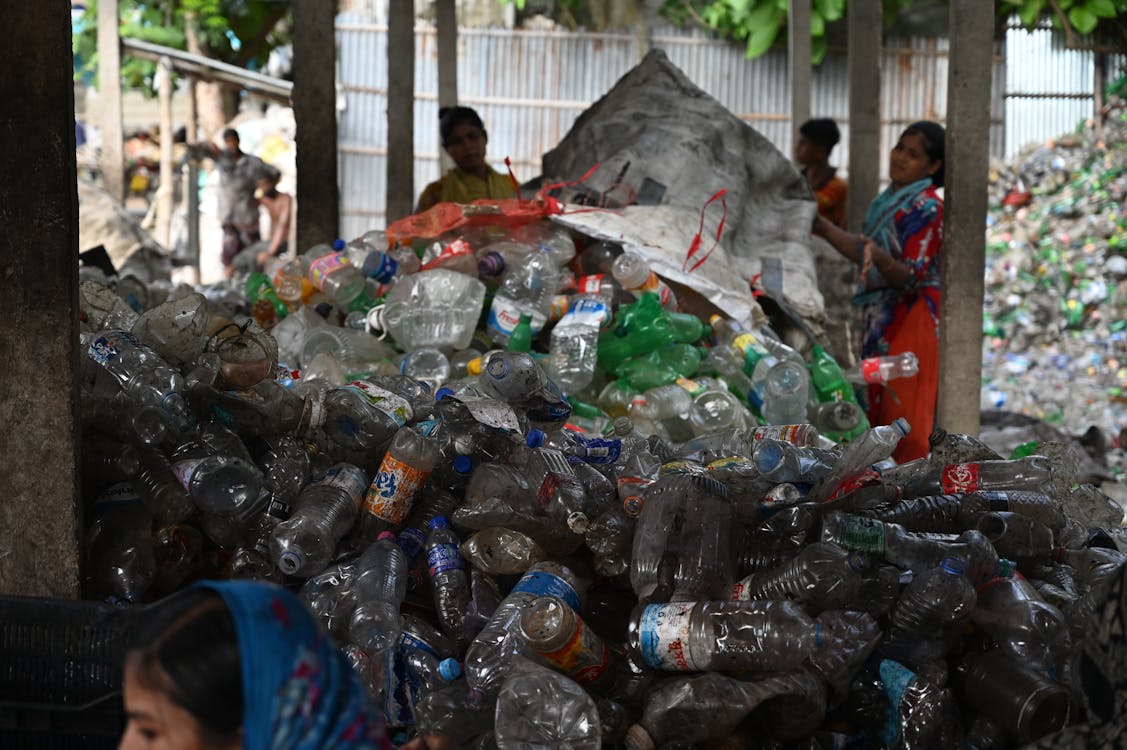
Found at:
(530, 85)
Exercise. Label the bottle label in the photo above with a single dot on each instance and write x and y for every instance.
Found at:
(862, 534)
(412, 541)
(347, 479)
(870, 370)
(584, 658)
(959, 479)
(492, 413)
(105, 348)
(692, 386)
(655, 284)
(591, 284)
(321, 268)
(748, 345)
(385, 270)
(741, 591)
(664, 636)
(587, 311)
(185, 469)
(504, 316)
(279, 510)
(795, 434)
(540, 583)
(602, 451)
(389, 403)
(394, 489)
(118, 495)
(411, 642)
(444, 557)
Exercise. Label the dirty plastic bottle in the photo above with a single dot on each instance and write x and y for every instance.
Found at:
(683, 541)
(330, 272)
(554, 631)
(935, 600)
(1025, 703)
(528, 286)
(829, 384)
(132, 423)
(1018, 538)
(787, 393)
(780, 462)
(431, 504)
(1032, 473)
(871, 447)
(221, 484)
(364, 416)
(884, 369)
(399, 479)
(431, 309)
(500, 551)
(144, 377)
(835, 416)
(541, 708)
(1036, 506)
(164, 495)
(1021, 622)
(121, 553)
(559, 493)
(936, 514)
(573, 347)
(449, 580)
(325, 511)
(259, 289)
(823, 576)
(379, 589)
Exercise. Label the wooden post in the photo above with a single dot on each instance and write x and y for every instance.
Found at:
(800, 62)
(400, 109)
(1099, 83)
(315, 112)
(166, 192)
(40, 516)
(864, 107)
(446, 20)
(112, 160)
(192, 184)
(964, 226)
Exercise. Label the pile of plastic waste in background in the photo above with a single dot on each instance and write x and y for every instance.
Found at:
(538, 506)
(1056, 283)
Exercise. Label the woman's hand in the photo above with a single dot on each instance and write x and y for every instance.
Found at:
(867, 256)
(431, 742)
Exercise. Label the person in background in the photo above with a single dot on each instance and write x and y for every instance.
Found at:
(279, 206)
(242, 664)
(898, 254)
(238, 208)
(464, 138)
(816, 141)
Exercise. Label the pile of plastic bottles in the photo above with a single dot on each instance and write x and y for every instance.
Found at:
(1056, 282)
(538, 506)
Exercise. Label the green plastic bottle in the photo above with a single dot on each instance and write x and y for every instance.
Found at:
(830, 385)
(258, 287)
(1024, 450)
(638, 329)
(520, 340)
(660, 367)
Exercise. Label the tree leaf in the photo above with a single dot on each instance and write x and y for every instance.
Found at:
(818, 48)
(1031, 11)
(817, 25)
(1083, 20)
(830, 10)
(1102, 8)
(762, 38)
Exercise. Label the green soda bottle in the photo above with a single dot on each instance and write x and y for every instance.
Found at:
(830, 385)
(258, 287)
(638, 329)
(520, 340)
(660, 367)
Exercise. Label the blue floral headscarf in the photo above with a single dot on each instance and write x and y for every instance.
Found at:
(299, 691)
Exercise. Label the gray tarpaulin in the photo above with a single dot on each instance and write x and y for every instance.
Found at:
(667, 133)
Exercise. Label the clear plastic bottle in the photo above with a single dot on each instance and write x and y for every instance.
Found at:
(715, 410)
(823, 576)
(162, 492)
(144, 377)
(936, 514)
(780, 461)
(175, 330)
(527, 287)
(554, 631)
(1021, 622)
(132, 423)
(219, 483)
(787, 392)
(330, 272)
(633, 272)
(431, 504)
(400, 478)
(1018, 537)
(545, 235)
(489, 657)
(363, 416)
(450, 583)
(1031, 473)
(379, 589)
(500, 551)
(435, 309)
(559, 492)
(1024, 702)
(121, 552)
(683, 540)
(935, 600)
(835, 416)
(541, 708)
(884, 369)
(427, 365)
(325, 511)
(573, 347)
(106, 462)
(598, 258)
(874, 445)
(494, 259)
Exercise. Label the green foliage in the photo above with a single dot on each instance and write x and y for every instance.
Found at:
(240, 32)
(1071, 16)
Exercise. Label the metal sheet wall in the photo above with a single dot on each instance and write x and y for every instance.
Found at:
(530, 85)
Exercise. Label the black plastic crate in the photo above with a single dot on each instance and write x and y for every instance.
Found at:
(61, 672)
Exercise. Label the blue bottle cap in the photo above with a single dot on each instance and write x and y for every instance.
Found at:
(439, 522)
(463, 464)
(338, 244)
(535, 438)
(449, 669)
(954, 565)
(442, 393)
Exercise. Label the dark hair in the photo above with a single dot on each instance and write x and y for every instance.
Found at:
(824, 132)
(935, 145)
(451, 117)
(188, 649)
(230, 133)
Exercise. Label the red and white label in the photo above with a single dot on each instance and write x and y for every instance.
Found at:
(591, 284)
(959, 479)
(870, 370)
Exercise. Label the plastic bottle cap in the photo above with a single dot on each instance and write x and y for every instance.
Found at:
(473, 367)
(463, 464)
(385, 535)
(954, 565)
(449, 669)
(338, 244)
(290, 561)
(902, 424)
(637, 738)
(442, 393)
(438, 522)
(535, 438)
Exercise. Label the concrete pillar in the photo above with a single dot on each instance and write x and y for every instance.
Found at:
(400, 109)
(166, 192)
(314, 107)
(800, 61)
(39, 512)
(964, 244)
(111, 161)
(446, 21)
(865, 150)
(192, 185)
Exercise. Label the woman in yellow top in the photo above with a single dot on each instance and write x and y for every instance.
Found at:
(464, 138)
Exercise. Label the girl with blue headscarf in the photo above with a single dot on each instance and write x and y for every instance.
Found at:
(243, 664)
(898, 254)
